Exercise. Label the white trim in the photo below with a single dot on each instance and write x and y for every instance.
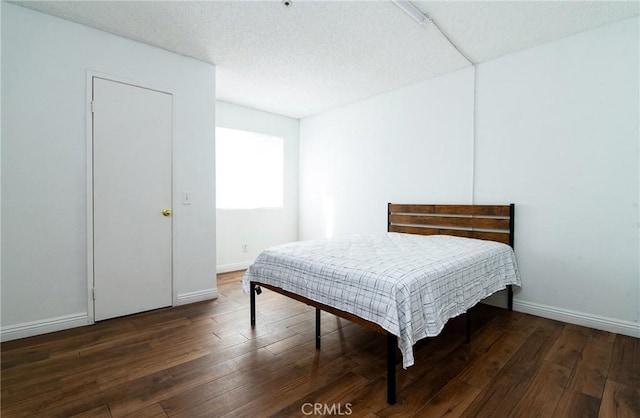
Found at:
(89, 142)
(200, 295)
(474, 135)
(617, 326)
(175, 214)
(44, 326)
(226, 268)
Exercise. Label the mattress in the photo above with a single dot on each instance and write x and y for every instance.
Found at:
(410, 285)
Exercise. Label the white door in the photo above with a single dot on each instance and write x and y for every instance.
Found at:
(132, 154)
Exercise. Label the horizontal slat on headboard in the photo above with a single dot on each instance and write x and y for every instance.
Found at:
(457, 221)
(490, 236)
(489, 222)
(482, 210)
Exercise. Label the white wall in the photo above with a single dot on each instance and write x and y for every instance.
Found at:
(410, 145)
(557, 134)
(45, 61)
(258, 228)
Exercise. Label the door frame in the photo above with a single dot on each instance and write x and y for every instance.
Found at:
(89, 158)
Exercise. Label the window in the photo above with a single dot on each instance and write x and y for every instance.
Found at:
(249, 170)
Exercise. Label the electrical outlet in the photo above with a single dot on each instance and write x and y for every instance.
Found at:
(244, 248)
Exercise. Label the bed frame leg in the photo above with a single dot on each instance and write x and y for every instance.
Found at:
(392, 343)
(468, 315)
(317, 328)
(252, 297)
(510, 297)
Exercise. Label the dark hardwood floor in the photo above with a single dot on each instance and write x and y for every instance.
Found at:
(205, 360)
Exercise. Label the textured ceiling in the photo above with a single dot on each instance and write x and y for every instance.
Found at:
(318, 55)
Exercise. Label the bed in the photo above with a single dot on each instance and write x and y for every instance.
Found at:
(434, 263)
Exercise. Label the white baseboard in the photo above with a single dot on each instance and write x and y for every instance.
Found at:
(617, 326)
(200, 295)
(45, 326)
(226, 268)
(29, 329)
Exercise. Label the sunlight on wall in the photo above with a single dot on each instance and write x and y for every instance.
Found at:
(329, 212)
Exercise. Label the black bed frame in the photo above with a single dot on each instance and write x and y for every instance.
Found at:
(489, 222)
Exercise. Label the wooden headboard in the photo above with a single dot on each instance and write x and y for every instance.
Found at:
(489, 222)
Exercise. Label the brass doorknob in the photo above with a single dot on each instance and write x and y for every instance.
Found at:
(166, 212)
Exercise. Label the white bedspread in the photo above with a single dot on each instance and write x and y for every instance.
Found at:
(408, 284)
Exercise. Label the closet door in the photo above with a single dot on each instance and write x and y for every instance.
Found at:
(132, 178)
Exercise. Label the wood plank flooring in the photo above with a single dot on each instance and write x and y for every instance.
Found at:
(204, 360)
